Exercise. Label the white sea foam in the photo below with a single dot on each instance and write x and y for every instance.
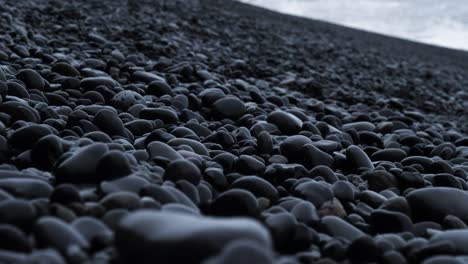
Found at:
(443, 23)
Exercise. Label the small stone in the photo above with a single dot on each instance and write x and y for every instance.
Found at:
(393, 155)
(433, 204)
(242, 251)
(160, 150)
(72, 169)
(65, 194)
(359, 126)
(383, 221)
(235, 202)
(249, 165)
(121, 200)
(125, 99)
(257, 186)
(339, 228)
(53, 232)
(457, 237)
(32, 79)
(313, 157)
(109, 123)
(13, 239)
(291, 147)
(17, 212)
(91, 83)
(113, 164)
(229, 107)
(145, 236)
(65, 69)
(182, 170)
(168, 116)
(314, 192)
(159, 88)
(380, 180)
(358, 158)
(288, 123)
(364, 250)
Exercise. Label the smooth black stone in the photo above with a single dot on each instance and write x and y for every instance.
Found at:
(148, 235)
(13, 239)
(182, 170)
(288, 123)
(397, 204)
(211, 95)
(91, 228)
(18, 90)
(3, 90)
(410, 180)
(163, 114)
(109, 123)
(121, 200)
(443, 259)
(457, 237)
(235, 202)
(112, 217)
(91, 83)
(433, 204)
(383, 221)
(130, 183)
(32, 79)
(113, 164)
(392, 257)
(242, 251)
(360, 126)
(158, 193)
(197, 147)
(425, 162)
(160, 150)
(313, 192)
(17, 212)
(249, 165)
(324, 172)
(229, 107)
(282, 227)
(453, 222)
(358, 158)
(291, 147)
(394, 155)
(139, 127)
(264, 143)
(26, 188)
(72, 169)
(25, 137)
(363, 250)
(65, 194)
(146, 77)
(305, 212)
(344, 190)
(190, 190)
(125, 99)
(46, 151)
(313, 157)
(339, 228)
(380, 180)
(257, 186)
(53, 232)
(65, 69)
(159, 88)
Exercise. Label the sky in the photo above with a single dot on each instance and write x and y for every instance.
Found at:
(438, 22)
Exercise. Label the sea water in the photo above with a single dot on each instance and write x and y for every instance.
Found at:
(442, 23)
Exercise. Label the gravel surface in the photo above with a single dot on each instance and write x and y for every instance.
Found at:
(216, 132)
